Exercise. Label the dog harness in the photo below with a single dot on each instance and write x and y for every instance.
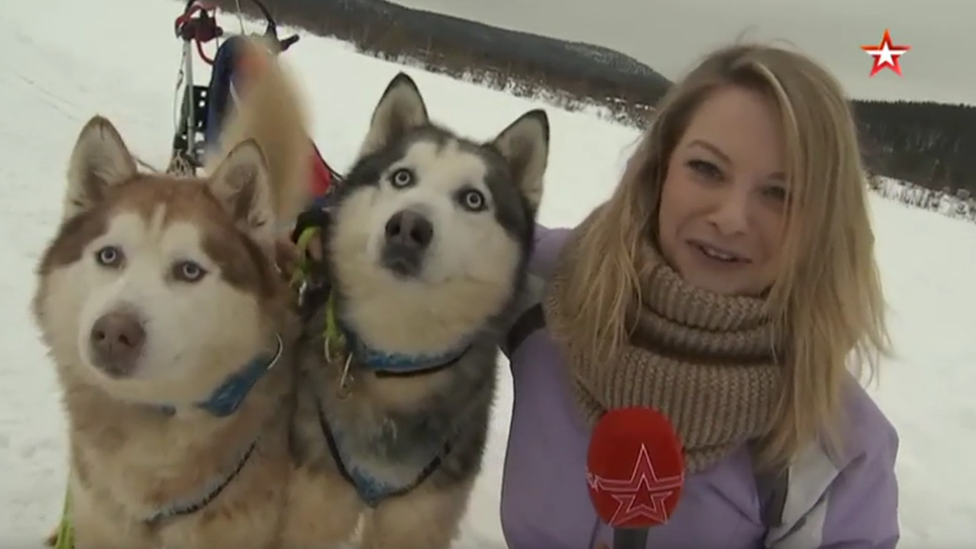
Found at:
(222, 402)
(381, 364)
(371, 490)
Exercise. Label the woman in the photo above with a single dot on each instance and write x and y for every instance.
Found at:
(726, 283)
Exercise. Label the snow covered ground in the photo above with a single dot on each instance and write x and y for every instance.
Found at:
(61, 61)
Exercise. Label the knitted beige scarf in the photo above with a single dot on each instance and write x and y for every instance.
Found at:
(704, 360)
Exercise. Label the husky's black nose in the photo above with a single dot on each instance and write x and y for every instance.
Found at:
(117, 340)
(408, 235)
(410, 230)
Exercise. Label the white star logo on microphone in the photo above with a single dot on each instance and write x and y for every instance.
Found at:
(642, 495)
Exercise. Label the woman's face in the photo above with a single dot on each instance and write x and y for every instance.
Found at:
(723, 202)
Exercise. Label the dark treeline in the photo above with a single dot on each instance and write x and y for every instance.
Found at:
(930, 144)
(579, 72)
(927, 143)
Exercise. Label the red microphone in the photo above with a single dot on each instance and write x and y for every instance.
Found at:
(635, 473)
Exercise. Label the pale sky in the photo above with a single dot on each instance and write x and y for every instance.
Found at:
(669, 35)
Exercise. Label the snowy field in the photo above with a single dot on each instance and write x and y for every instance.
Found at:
(63, 63)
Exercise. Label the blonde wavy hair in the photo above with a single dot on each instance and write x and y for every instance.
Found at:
(827, 302)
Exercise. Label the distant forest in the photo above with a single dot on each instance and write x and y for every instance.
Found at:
(930, 144)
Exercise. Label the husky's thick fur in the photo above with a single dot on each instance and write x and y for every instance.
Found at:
(427, 250)
(171, 331)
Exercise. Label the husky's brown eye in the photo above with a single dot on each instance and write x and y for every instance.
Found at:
(188, 271)
(401, 178)
(109, 256)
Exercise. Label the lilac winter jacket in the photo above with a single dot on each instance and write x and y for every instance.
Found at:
(848, 504)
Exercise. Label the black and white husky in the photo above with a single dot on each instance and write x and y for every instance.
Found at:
(426, 251)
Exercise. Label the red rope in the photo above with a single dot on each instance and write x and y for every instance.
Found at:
(203, 55)
(196, 8)
(201, 35)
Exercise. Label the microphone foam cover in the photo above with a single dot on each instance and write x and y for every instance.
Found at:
(635, 468)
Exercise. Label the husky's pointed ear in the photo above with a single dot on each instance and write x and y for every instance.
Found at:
(400, 110)
(99, 160)
(525, 146)
(241, 183)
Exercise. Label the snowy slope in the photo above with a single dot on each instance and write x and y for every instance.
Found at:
(67, 60)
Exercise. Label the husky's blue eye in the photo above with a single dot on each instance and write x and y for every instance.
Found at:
(109, 256)
(472, 200)
(401, 178)
(188, 271)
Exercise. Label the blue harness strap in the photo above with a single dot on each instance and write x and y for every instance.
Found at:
(225, 400)
(210, 493)
(370, 490)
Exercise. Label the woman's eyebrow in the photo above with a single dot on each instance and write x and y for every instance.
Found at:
(777, 176)
(710, 148)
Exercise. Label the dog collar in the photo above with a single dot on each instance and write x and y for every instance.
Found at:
(229, 395)
(384, 363)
